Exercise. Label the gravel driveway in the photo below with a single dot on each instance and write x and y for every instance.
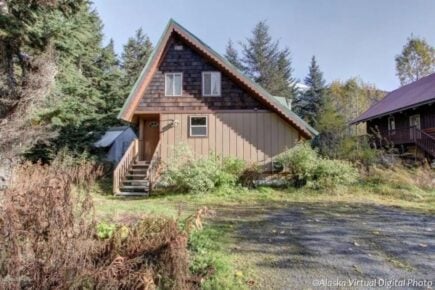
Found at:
(302, 245)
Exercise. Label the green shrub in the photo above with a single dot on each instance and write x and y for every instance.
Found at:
(203, 174)
(308, 168)
(105, 230)
(300, 161)
(231, 170)
(358, 149)
(328, 173)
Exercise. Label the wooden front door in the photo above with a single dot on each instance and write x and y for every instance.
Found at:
(151, 134)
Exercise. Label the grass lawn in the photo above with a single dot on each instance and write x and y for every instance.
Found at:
(214, 246)
(110, 208)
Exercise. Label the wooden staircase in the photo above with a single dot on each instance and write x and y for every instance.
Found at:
(133, 177)
(135, 181)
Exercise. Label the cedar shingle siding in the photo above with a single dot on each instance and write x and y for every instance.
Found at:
(191, 64)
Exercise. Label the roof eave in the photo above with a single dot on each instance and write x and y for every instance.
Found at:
(357, 121)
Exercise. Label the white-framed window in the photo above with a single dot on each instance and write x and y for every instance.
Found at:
(211, 84)
(391, 125)
(198, 126)
(174, 84)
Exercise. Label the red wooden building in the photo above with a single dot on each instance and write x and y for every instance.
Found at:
(406, 117)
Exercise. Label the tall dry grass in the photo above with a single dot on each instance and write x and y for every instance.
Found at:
(45, 230)
(48, 238)
(400, 181)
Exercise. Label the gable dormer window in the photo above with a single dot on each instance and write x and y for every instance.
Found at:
(211, 84)
(173, 84)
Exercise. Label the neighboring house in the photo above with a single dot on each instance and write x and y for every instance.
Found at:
(406, 117)
(188, 93)
(115, 142)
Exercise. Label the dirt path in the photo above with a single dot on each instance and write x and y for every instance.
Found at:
(298, 245)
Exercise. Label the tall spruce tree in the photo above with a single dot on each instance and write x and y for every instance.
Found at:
(110, 81)
(134, 57)
(267, 64)
(56, 84)
(309, 103)
(76, 96)
(26, 29)
(232, 55)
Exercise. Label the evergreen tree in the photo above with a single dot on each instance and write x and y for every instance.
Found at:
(232, 56)
(26, 29)
(282, 81)
(134, 57)
(309, 103)
(76, 96)
(65, 76)
(110, 80)
(416, 60)
(267, 64)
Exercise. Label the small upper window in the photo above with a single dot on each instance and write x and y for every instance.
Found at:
(198, 126)
(173, 84)
(211, 84)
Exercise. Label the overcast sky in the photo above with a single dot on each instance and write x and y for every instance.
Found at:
(348, 37)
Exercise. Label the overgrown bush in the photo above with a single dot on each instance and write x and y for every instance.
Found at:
(198, 175)
(301, 161)
(45, 231)
(329, 173)
(48, 238)
(149, 254)
(358, 149)
(307, 168)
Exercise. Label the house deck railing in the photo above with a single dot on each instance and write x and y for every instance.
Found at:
(124, 164)
(410, 135)
(425, 141)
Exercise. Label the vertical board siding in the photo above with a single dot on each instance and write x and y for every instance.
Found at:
(253, 135)
(219, 137)
(260, 138)
(247, 120)
(256, 137)
(224, 119)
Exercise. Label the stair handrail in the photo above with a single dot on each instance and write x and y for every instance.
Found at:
(123, 165)
(426, 134)
(425, 141)
(153, 169)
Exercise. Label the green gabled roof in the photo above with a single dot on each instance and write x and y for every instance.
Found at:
(173, 26)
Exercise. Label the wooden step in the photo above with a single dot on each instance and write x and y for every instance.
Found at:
(134, 188)
(141, 163)
(136, 182)
(135, 176)
(128, 193)
(140, 166)
(137, 171)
